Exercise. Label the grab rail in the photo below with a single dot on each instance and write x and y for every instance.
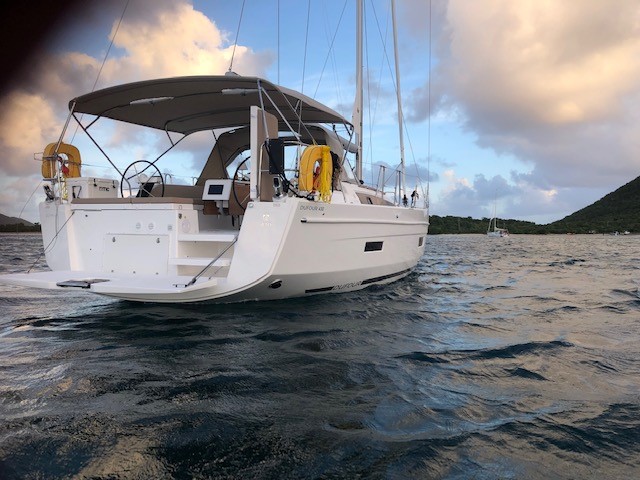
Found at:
(199, 274)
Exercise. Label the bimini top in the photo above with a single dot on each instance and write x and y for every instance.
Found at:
(191, 104)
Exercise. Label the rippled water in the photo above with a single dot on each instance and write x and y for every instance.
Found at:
(496, 358)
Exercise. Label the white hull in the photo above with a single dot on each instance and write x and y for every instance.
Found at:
(151, 251)
(498, 234)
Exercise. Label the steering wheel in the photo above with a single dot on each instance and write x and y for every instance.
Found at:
(144, 186)
(233, 184)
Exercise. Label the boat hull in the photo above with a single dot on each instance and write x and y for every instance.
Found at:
(290, 248)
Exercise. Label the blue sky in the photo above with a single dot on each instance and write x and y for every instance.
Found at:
(534, 103)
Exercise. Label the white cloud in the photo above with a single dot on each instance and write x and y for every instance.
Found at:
(549, 82)
(547, 62)
(515, 198)
(179, 41)
(28, 124)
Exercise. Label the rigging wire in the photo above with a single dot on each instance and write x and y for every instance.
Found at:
(404, 123)
(372, 111)
(429, 117)
(369, 109)
(383, 39)
(337, 80)
(304, 63)
(235, 44)
(27, 202)
(278, 37)
(306, 42)
(104, 61)
(55, 237)
(335, 34)
(391, 75)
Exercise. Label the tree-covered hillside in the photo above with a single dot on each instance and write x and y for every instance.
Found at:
(450, 224)
(617, 211)
(14, 224)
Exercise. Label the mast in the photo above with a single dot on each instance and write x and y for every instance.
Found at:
(357, 107)
(398, 94)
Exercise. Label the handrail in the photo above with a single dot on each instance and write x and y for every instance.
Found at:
(397, 175)
(199, 274)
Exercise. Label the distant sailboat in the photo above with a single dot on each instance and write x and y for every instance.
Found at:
(493, 230)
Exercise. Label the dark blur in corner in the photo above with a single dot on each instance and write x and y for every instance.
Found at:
(24, 27)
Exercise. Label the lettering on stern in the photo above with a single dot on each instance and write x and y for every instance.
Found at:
(346, 286)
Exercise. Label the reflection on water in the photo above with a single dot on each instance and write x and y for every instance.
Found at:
(496, 358)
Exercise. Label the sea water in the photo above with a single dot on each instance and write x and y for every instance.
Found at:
(496, 358)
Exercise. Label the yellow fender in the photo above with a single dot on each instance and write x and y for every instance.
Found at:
(71, 167)
(316, 154)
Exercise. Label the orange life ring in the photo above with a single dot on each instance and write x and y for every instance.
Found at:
(308, 180)
(70, 168)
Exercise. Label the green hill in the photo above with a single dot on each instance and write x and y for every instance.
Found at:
(14, 224)
(451, 224)
(4, 220)
(616, 211)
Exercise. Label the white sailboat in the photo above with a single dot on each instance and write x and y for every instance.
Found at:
(493, 230)
(227, 238)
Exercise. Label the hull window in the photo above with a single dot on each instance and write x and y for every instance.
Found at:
(373, 246)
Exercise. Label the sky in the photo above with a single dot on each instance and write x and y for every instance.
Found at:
(529, 107)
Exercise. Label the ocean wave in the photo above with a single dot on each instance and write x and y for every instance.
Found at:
(489, 361)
